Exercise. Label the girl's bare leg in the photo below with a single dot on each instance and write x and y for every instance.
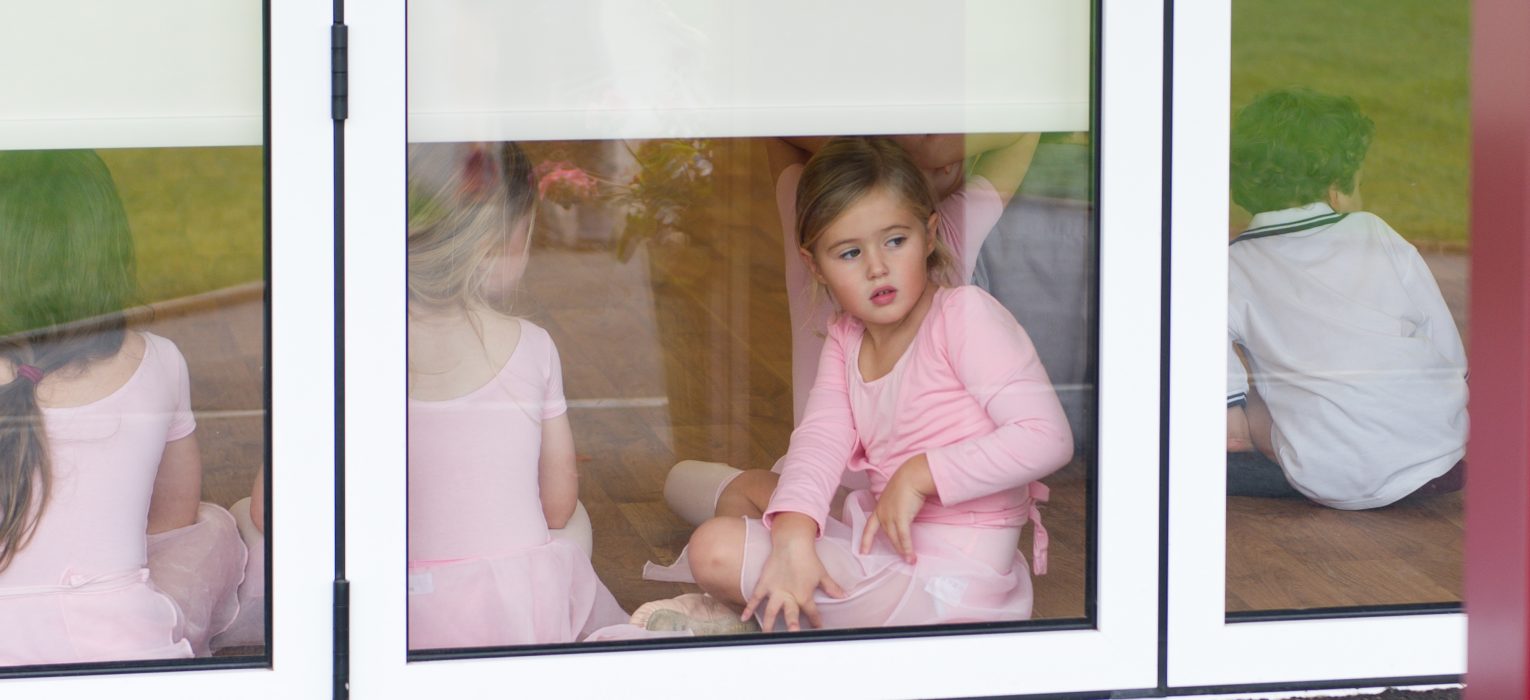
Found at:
(716, 554)
(749, 494)
(1261, 425)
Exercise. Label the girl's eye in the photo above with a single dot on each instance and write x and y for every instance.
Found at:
(850, 254)
(896, 241)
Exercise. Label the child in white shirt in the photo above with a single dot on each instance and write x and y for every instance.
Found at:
(1354, 391)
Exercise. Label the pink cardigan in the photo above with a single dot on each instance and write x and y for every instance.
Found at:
(970, 394)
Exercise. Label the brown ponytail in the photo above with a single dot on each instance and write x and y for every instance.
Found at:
(66, 274)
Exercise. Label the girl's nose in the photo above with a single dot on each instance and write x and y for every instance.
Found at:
(876, 265)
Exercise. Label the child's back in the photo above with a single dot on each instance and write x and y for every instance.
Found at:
(491, 462)
(473, 455)
(1358, 375)
(104, 452)
(1353, 349)
(96, 440)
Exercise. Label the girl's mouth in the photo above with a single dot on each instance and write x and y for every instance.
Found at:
(884, 296)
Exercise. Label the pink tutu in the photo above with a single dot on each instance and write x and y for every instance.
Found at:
(541, 595)
(249, 627)
(200, 567)
(97, 618)
(167, 610)
(963, 574)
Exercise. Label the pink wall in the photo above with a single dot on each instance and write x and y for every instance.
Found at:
(1498, 489)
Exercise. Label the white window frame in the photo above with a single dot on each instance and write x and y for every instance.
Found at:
(1120, 653)
(302, 442)
(1204, 649)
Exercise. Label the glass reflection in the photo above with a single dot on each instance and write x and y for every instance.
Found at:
(665, 301)
(1345, 363)
(107, 551)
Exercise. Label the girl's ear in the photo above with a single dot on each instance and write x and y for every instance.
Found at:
(931, 230)
(812, 265)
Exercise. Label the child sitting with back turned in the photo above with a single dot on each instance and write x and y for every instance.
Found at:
(933, 392)
(491, 453)
(106, 552)
(1354, 393)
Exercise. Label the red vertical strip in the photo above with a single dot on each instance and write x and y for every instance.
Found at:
(1498, 490)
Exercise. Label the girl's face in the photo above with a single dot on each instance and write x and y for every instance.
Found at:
(505, 264)
(872, 258)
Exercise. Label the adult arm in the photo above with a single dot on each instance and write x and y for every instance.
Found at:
(996, 362)
(1005, 167)
(783, 153)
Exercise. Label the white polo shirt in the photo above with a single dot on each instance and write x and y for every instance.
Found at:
(1351, 345)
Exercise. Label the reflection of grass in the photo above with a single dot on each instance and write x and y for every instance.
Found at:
(1406, 63)
(197, 216)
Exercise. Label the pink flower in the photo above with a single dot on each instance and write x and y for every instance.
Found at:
(564, 183)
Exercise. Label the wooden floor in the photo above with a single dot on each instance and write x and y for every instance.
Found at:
(683, 352)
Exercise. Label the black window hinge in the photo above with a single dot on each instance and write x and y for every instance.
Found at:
(339, 72)
(342, 641)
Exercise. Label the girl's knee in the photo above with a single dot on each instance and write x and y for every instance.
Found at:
(716, 552)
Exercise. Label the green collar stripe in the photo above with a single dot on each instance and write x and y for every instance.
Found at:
(1293, 227)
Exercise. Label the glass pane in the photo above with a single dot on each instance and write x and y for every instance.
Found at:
(1346, 363)
(629, 375)
(133, 350)
(133, 336)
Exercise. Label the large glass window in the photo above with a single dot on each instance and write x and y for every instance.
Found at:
(620, 345)
(1348, 297)
(133, 341)
(678, 331)
(1317, 413)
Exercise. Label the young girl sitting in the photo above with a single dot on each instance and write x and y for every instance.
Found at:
(933, 392)
(105, 552)
(491, 454)
(973, 176)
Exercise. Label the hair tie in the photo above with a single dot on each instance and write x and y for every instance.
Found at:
(30, 373)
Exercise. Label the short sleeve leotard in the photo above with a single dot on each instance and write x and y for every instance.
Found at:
(81, 587)
(483, 570)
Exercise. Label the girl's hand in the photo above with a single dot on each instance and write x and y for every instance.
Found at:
(897, 506)
(791, 574)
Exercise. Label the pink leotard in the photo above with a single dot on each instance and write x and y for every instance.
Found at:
(483, 570)
(81, 589)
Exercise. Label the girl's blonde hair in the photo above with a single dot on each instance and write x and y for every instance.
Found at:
(465, 200)
(850, 167)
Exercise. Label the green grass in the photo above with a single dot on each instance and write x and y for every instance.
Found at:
(1407, 63)
(197, 214)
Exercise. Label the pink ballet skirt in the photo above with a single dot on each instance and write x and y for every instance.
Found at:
(167, 610)
(963, 573)
(539, 595)
(249, 628)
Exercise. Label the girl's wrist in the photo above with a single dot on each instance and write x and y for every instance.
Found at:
(792, 528)
(918, 476)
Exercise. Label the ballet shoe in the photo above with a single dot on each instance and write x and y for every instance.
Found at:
(697, 613)
(692, 488)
